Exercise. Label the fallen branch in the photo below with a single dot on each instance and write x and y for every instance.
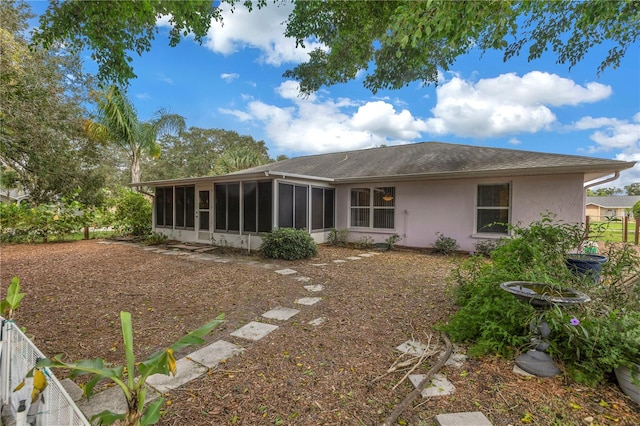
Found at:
(391, 419)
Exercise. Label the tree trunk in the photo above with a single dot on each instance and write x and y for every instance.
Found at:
(135, 169)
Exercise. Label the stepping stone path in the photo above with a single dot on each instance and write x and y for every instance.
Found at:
(254, 330)
(200, 361)
(281, 314)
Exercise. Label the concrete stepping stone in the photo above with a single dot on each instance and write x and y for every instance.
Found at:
(303, 279)
(72, 389)
(281, 313)
(286, 271)
(186, 370)
(210, 356)
(222, 260)
(439, 386)
(314, 288)
(456, 360)
(111, 399)
(318, 264)
(412, 347)
(318, 321)
(366, 254)
(475, 418)
(308, 300)
(254, 330)
(339, 261)
(354, 258)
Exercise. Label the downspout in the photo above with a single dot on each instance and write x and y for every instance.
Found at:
(615, 176)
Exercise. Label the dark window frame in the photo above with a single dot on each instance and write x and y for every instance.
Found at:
(187, 202)
(326, 212)
(296, 210)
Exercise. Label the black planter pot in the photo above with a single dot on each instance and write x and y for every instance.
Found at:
(586, 265)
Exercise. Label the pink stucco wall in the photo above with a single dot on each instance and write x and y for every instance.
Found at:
(424, 208)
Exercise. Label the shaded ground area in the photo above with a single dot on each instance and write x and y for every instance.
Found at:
(299, 374)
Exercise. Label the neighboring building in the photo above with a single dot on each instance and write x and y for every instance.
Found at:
(417, 190)
(611, 207)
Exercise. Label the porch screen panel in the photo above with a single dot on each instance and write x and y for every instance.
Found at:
(285, 205)
(180, 207)
(317, 208)
(220, 207)
(493, 208)
(233, 207)
(159, 206)
(301, 205)
(329, 208)
(265, 206)
(190, 206)
(249, 198)
(168, 206)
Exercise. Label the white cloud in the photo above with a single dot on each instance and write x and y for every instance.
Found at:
(240, 115)
(164, 78)
(613, 133)
(229, 77)
(506, 104)
(318, 124)
(261, 29)
(515, 141)
(144, 95)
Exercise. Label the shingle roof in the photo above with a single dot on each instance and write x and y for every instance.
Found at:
(430, 159)
(614, 201)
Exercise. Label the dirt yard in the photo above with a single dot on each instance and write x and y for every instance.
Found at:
(300, 374)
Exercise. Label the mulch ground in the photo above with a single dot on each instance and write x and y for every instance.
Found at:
(299, 374)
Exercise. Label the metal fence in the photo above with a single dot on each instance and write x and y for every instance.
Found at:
(18, 355)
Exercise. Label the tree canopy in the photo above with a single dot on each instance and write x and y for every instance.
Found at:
(406, 41)
(204, 152)
(400, 41)
(118, 123)
(42, 143)
(112, 30)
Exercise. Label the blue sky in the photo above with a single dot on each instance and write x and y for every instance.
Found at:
(234, 81)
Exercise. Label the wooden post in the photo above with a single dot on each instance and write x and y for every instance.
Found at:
(625, 228)
(86, 232)
(586, 227)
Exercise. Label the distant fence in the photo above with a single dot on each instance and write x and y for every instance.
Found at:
(18, 355)
(613, 229)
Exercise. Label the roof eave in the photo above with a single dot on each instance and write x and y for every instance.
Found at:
(596, 170)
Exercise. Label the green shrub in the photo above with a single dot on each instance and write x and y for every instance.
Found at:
(635, 210)
(155, 238)
(364, 243)
(485, 247)
(132, 214)
(338, 237)
(445, 245)
(288, 244)
(589, 340)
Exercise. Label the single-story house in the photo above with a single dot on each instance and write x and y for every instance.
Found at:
(415, 191)
(610, 207)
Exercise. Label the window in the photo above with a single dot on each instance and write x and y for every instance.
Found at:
(292, 206)
(373, 207)
(185, 206)
(227, 206)
(164, 207)
(322, 208)
(493, 206)
(257, 206)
